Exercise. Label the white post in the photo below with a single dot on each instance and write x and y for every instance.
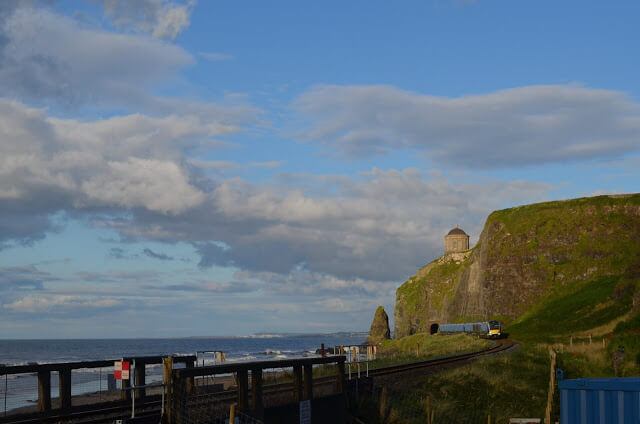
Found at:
(162, 405)
(132, 377)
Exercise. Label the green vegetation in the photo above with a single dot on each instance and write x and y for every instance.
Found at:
(520, 219)
(569, 237)
(503, 386)
(575, 308)
(584, 359)
(626, 338)
(425, 346)
(613, 354)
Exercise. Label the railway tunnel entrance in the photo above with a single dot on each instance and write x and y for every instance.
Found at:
(434, 328)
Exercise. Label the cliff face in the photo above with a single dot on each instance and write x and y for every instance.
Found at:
(528, 254)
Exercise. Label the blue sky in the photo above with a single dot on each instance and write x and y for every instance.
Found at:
(178, 168)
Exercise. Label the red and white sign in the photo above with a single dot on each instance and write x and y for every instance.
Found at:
(121, 370)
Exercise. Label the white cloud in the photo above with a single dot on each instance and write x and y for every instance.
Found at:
(45, 55)
(124, 162)
(303, 282)
(378, 229)
(156, 185)
(375, 227)
(507, 128)
(163, 19)
(37, 304)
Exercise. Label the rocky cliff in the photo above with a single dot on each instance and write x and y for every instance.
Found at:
(379, 327)
(579, 257)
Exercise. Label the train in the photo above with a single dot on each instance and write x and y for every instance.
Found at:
(490, 329)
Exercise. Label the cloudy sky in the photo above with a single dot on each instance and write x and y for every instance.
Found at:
(178, 168)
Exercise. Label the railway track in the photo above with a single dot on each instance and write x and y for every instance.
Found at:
(501, 345)
(107, 413)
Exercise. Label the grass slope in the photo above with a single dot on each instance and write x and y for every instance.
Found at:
(575, 308)
(425, 346)
(504, 386)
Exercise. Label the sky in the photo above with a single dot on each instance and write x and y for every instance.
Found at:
(190, 168)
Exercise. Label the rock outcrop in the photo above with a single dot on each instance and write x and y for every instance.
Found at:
(379, 327)
(523, 254)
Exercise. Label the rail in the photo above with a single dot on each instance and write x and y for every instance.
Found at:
(498, 347)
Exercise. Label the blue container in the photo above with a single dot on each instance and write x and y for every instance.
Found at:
(600, 401)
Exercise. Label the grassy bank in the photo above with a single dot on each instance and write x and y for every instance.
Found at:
(614, 354)
(575, 309)
(424, 346)
(503, 386)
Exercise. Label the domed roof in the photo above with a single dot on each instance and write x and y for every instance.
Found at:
(456, 231)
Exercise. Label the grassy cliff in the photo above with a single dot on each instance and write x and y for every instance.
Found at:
(547, 270)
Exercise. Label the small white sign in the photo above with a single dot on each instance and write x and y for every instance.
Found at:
(305, 412)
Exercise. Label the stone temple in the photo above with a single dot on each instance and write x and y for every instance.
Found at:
(456, 241)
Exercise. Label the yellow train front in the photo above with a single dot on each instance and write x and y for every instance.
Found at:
(494, 329)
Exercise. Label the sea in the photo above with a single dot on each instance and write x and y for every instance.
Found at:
(21, 390)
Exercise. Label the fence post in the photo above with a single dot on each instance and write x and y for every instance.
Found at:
(44, 391)
(167, 368)
(256, 391)
(140, 380)
(124, 384)
(64, 378)
(340, 388)
(297, 382)
(428, 409)
(308, 382)
(243, 389)
(322, 351)
(552, 383)
(189, 380)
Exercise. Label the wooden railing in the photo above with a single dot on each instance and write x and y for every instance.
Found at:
(65, 405)
(302, 384)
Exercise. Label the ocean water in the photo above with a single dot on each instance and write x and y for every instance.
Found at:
(21, 390)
